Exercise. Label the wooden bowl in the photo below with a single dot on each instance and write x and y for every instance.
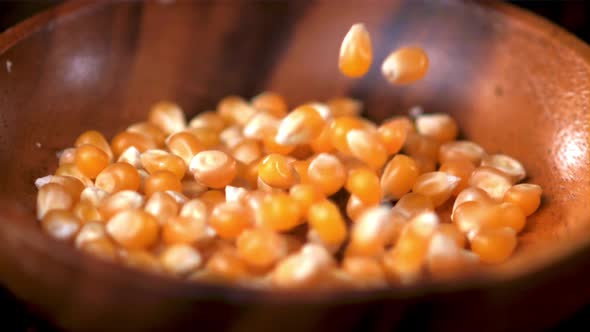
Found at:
(516, 84)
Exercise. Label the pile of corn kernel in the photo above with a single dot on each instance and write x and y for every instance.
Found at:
(317, 197)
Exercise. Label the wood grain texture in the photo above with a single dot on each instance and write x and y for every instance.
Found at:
(516, 84)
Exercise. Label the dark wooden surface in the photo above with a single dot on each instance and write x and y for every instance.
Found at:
(97, 69)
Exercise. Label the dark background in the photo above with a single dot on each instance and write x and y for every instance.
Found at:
(572, 15)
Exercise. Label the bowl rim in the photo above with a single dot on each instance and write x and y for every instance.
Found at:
(119, 275)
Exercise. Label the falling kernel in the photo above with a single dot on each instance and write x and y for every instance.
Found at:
(405, 65)
(356, 52)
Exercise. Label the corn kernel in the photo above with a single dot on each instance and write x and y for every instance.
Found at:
(117, 177)
(452, 232)
(355, 207)
(325, 218)
(365, 272)
(102, 248)
(162, 181)
(300, 126)
(507, 165)
(186, 230)
(465, 150)
(120, 201)
(71, 184)
(230, 219)
(412, 204)
(344, 106)
(491, 180)
(53, 196)
(96, 139)
(276, 171)
(208, 119)
(279, 212)
(89, 232)
(91, 160)
(272, 103)
(133, 229)
(472, 194)
(235, 110)
(160, 160)
(322, 143)
(494, 245)
(149, 130)
(167, 116)
(180, 259)
(213, 168)
(260, 125)
(132, 156)
(526, 196)
(141, 259)
(437, 185)
(72, 170)
(162, 206)
(364, 184)
(127, 139)
(405, 65)
(303, 269)
(184, 145)
(399, 176)
(86, 212)
(366, 147)
(439, 126)
(338, 131)
(460, 168)
(60, 224)
(247, 151)
(208, 137)
(67, 156)
(305, 195)
(327, 173)
(375, 228)
(356, 52)
(226, 266)
(261, 248)
(393, 134)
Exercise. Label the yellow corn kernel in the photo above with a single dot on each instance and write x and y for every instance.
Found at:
(160, 160)
(53, 196)
(91, 160)
(417, 145)
(399, 176)
(180, 259)
(226, 266)
(161, 181)
(96, 139)
(491, 180)
(305, 195)
(71, 184)
(89, 232)
(437, 185)
(355, 207)
(261, 248)
(526, 196)
(167, 116)
(338, 131)
(73, 171)
(356, 52)
(208, 137)
(184, 145)
(374, 229)
(230, 219)
(393, 134)
(326, 173)
(186, 230)
(86, 212)
(279, 212)
(247, 151)
(300, 126)
(277, 171)
(344, 106)
(452, 231)
(303, 269)
(149, 130)
(472, 194)
(364, 184)
(325, 218)
(272, 103)
(61, 225)
(192, 189)
(208, 119)
(67, 156)
(494, 245)
(271, 145)
(465, 150)
(412, 204)
(323, 142)
(405, 65)
(511, 167)
(132, 156)
(365, 272)
(133, 229)
(127, 139)
(213, 168)
(367, 147)
(120, 201)
(162, 206)
(117, 177)
(460, 168)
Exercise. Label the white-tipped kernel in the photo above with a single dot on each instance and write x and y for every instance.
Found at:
(235, 194)
(507, 165)
(259, 125)
(180, 198)
(89, 232)
(93, 195)
(231, 136)
(168, 116)
(491, 180)
(180, 259)
(132, 156)
(40, 182)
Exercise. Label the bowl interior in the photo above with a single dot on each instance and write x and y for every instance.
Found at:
(515, 87)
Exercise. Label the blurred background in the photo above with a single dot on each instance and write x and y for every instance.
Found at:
(573, 15)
